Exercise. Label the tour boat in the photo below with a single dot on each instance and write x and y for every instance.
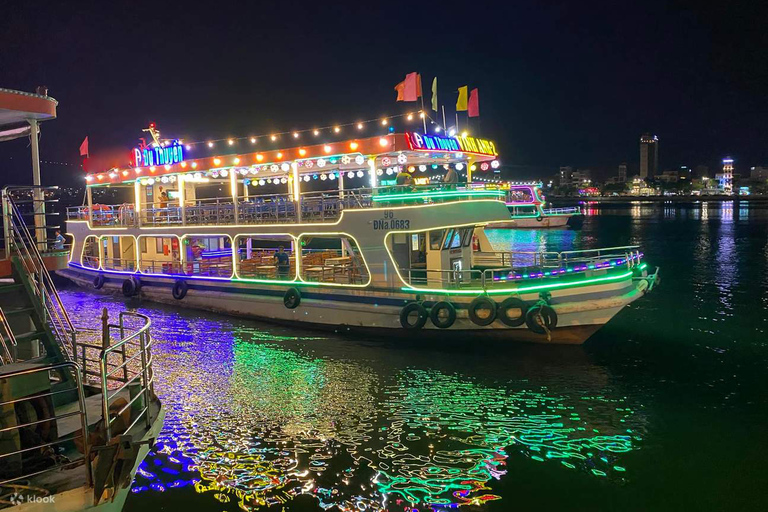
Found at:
(323, 236)
(526, 205)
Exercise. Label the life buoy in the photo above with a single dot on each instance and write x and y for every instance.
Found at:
(539, 218)
(541, 319)
(180, 289)
(98, 281)
(442, 322)
(421, 316)
(512, 303)
(292, 298)
(480, 304)
(129, 287)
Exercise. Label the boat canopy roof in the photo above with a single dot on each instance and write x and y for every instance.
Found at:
(394, 152)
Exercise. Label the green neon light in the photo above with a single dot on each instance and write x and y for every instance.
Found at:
(643, 266)
(553, 286)
(427, 195)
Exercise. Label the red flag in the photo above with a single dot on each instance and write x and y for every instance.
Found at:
(473, 105)
(418, 86)
(399, 88)
(84, 147)
(411, 89)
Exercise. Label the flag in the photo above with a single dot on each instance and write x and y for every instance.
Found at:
(410, 88)
(84, 147)
(399, 88)
(434, 94)
(461, 103)
(473, 105)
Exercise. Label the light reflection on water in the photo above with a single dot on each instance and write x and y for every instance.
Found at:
(259, 415)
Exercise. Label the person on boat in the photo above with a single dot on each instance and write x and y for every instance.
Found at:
(451, 178)
(58, 241)
(283, 263)
(404, 182)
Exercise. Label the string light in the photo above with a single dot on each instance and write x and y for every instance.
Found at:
(295, 135)
(316, 132)
(410, 117)
(336, 129)
(384, 122)
(274, 138)
(353, 146)
(210, 144)
(230, 142)
(253, 140)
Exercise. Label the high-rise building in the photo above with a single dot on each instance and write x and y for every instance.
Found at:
(622, 173)
(726, 177)
(649, 155)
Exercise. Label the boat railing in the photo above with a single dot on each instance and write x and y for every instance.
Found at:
(316, 206)
(11, 460)
(25, 246)
(562, 211)
(451, 279)
(122, 369)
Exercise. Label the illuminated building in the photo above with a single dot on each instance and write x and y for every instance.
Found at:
(649, 155)
(622, 172)
(726, 177)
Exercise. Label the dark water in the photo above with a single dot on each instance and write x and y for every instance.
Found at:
(664, 409)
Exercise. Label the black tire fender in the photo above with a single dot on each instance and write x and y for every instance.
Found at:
(129, 287)
(548, 317)
(292, 298)
(502, 312)
(421, 319)
(98, 281)
(434, 314)
(180, 289)
(478, 303)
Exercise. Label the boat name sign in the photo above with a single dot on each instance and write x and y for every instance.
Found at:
(388, 221)
(158, 155)
(464, 144)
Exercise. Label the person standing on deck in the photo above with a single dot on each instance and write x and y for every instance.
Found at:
(283, 263)
(58, 241)
(451, 178)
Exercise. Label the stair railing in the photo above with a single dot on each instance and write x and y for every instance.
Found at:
(6, 357)
(21, 243)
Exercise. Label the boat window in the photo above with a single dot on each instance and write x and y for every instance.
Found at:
(90, 256)
(258, 257)
(448, 238)
(119, 253)
(467, 236)
(332, 259)
(435, 238)
(209, 256)
(159, 255)
(456, 239)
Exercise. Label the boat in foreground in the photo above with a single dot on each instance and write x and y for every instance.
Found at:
(381, 259)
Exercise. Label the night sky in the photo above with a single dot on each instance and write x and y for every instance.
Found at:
(561, 83)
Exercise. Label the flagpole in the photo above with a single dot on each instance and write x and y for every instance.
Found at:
(457, 122)
(443, 117)
(423, 115)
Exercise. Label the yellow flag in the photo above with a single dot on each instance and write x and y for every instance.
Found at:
(434, 94)
(461, 103)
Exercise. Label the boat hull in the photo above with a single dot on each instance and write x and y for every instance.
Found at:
(541, 222)
(377, 314)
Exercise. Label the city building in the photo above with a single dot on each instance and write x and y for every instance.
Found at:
(649, 156)
(566, 174)
(758, 173)
(726, 177)
(622, 172)
(581, 177)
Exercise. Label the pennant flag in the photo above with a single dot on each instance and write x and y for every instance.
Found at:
(473, 105)
(400, 88)
(434, 94)
(84, 147)
(461, 103)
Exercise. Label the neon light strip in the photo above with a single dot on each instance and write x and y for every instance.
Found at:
(552, 286)
(427, 195)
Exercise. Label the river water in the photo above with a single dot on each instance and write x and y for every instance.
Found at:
(665, 408)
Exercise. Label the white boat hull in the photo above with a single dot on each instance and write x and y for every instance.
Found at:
(544, 221)
(581, 311)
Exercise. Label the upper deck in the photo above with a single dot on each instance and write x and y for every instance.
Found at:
(296, 184)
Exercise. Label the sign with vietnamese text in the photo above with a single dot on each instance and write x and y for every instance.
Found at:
(422, 142)
(158, 155)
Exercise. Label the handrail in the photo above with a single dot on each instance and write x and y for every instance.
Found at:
(24, 245)
(145, 375)
(82, 412)
(9, 358)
